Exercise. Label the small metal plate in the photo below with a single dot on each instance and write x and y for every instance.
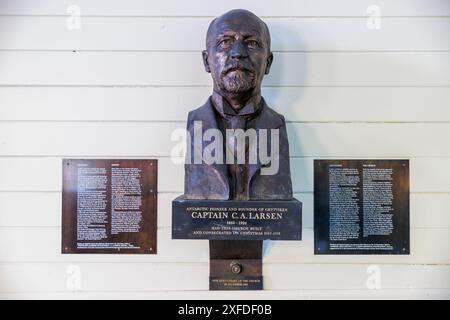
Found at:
(235, 265)
(223, 278)
(109, 206)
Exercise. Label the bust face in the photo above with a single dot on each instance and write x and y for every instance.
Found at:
(238, 53)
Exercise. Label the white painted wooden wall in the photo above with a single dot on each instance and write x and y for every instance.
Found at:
(117, 87)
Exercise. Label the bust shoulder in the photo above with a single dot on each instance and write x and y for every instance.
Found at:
(273, 114)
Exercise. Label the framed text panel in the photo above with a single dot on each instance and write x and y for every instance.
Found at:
(361, 207)
(109, 206)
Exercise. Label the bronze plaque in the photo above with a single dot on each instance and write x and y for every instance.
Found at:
(361, 207)
(236, 220)
(109, 206)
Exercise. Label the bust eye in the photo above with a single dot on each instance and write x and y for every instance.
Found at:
(225, 43)
(252, 44)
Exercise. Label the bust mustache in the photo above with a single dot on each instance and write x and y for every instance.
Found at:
(237, 77)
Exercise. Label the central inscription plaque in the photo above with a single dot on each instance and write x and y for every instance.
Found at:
(237, 220)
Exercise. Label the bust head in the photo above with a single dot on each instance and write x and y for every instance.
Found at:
(237, 54)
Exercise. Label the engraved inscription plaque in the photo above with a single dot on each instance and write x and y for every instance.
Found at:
(109, 206)
(237, 220)
(361, 207)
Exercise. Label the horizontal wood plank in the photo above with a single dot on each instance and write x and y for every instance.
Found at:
(137, 139)
(333, 104)
(22, 244)
(186, 69)
(289, 34)
(298, 294)
(204, 7)
(427, 175)
(126, 277)
(31, 209)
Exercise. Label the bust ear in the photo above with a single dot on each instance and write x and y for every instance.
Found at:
(269, 63)
(205, 61)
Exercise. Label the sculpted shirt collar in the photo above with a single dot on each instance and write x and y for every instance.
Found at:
(253, 106)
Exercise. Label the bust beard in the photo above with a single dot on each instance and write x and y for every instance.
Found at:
(237, 82)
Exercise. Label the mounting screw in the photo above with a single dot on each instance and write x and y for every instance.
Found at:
(236, 268)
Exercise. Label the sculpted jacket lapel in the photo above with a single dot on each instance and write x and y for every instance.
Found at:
(207, 116)
(265, 120)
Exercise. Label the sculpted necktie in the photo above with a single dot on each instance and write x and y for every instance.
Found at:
(238, 171)
(237, 143)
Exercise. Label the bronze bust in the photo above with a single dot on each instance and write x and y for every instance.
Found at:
(238, 189)
(238, 56)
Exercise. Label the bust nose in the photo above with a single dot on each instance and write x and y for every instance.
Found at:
(238, 51)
